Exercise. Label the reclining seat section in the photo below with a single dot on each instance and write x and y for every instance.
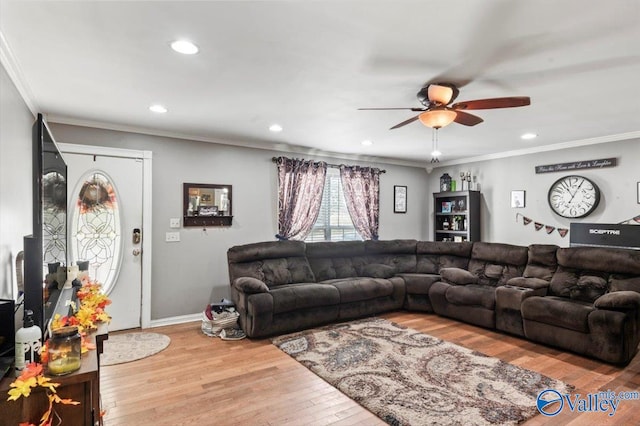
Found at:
(363, 272)
(535, 279)
(470, 295)
(274, 289)
(431, 257)
(592, 305)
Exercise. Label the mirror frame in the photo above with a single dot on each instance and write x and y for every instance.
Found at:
(213, 220)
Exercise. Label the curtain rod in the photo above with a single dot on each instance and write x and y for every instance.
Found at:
(335, 166)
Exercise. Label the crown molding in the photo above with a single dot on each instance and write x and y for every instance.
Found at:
(534, 150)
(255, 144)
(11, 65)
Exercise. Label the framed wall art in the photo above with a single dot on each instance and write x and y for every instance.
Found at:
(517, 199)
(399, 199)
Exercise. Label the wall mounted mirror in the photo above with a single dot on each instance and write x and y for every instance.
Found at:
(207, 205)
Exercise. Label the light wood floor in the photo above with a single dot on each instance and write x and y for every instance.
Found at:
(199, 380)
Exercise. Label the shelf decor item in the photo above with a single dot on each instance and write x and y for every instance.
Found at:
(446, 206)
(445, 183)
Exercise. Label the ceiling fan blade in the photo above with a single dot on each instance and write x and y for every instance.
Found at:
(510, 102)
(467, 119)
(389, 109)
(405, 122)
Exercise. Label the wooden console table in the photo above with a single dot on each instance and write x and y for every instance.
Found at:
(82, 386)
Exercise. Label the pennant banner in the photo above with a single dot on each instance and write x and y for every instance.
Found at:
(548, 228)
(632, 221)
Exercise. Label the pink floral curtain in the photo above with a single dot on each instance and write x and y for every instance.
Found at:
(300, 187)
(361, 186)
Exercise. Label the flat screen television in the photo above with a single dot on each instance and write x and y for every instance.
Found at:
(46, 249)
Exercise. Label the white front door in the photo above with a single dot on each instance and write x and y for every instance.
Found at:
(106, 228)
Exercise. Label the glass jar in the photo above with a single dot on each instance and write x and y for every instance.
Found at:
(64, 350)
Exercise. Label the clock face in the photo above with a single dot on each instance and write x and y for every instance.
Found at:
(573, 196)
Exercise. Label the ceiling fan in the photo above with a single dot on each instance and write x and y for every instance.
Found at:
(437, 113)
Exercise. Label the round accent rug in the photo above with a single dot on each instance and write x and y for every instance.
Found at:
(127, 347)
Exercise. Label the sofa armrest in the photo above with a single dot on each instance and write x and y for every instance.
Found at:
(457, 276)
(532, 283)
(250, 285)
(618, 300)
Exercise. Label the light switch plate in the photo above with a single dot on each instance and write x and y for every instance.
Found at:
(174, 222)
(172, 237)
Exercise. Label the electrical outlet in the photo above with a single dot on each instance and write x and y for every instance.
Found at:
(172, 237)
(174, 222)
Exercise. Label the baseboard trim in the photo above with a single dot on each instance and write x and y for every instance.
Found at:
(175, 320)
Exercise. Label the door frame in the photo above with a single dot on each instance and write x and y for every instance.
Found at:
(146, 157)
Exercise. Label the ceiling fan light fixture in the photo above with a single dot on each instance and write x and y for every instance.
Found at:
(440, 94)
(437, 118)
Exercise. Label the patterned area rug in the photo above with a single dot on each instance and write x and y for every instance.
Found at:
(410, 378)
(121, 348)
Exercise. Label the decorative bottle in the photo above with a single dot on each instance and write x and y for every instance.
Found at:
(28, 343)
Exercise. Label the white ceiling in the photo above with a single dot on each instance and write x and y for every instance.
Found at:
(309, 66)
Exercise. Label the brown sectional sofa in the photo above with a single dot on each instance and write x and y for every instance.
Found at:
(582, 299)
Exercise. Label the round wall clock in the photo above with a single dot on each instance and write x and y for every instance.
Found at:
(573, 196)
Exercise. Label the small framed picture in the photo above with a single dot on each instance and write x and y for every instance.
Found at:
(208, 211)
(399, 199)
(517, 199)
(446, 206)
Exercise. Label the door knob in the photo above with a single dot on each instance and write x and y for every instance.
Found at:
(136, 252)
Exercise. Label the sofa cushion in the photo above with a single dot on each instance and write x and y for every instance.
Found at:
(619, 300)
(433, 256)
(600, 259)
(619, 282)
(291, 297)
(500, 254)
(472, 295)
(578, 284)
(458, 276)
(558, 312)
(377, 270)
(418, 283)
(532, 283)
(250, 285)
(329, 268)
(542, 262)
(361, 288)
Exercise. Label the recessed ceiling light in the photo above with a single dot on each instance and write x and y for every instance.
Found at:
(158, 108)
(366, 143)
(528, 136)
(275, 128)
(184, 46)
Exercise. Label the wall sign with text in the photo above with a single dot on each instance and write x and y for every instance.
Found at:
(577, 165)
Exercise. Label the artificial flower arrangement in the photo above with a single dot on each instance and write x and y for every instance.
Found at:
(86, 317)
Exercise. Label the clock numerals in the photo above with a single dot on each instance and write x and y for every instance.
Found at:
(573, 196)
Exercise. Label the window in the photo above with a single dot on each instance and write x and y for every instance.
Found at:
(334, 222)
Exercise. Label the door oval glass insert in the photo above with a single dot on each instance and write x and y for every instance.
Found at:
(95, 231)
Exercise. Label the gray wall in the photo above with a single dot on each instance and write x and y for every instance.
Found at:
(188, 274)
(15, 180)
(497, 178)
